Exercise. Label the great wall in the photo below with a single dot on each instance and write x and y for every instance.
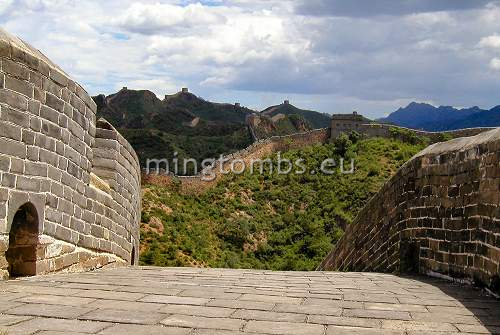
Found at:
(70, 201)
(70, 186)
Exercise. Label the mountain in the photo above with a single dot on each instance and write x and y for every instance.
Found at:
(431, 118)
(488, 118)
(280, 124)
(182, 123)
(316, 119)
(206, 110)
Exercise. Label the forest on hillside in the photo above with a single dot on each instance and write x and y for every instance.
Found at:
(269, 221)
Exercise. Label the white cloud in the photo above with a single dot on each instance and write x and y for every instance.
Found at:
(495, 63)
(492, 42)
(258, 49)
(160, 87)
(150, 18)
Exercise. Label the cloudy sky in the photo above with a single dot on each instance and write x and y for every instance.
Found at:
(328, 55)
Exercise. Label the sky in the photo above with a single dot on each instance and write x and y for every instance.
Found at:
(333, 56)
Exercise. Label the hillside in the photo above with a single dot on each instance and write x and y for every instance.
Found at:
(182, 123)
(281, 222)
(427, 117)
(280, 124)
(316, 119)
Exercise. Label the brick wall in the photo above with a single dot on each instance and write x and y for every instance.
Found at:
(439, 214)
(51, 167)
(384, 130)
(257, 150)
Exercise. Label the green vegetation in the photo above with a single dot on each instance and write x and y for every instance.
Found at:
(157, 128)
(284, 125)
(269, 221)
(407, 135)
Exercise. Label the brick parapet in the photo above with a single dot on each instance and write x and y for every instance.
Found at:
(440, 213)
(47, 153)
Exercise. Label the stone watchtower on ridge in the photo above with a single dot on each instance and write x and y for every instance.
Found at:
(70, 185)
(345, 123)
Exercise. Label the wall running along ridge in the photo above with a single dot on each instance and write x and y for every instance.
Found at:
(69, 188)
(257, 150)
(439, 214)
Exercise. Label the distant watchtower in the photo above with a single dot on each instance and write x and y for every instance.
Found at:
(345, 123)
(286, 102)
(237, 104)
(185, 90)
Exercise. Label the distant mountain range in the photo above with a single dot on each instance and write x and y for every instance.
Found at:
(427, 117)
(194, 127)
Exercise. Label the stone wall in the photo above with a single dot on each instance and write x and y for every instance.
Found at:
(384, 130)
(438, 215)
(257, 150)
(62, 205)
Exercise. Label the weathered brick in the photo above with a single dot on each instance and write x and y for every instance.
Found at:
(55, 103)
(5, 49)
(15, 116)
(12, 148)
(25, 58)
(11, 131)
(15, 69)
(28, 184)
(13, 99)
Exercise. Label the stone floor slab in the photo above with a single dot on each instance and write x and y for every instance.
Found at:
(190, 301)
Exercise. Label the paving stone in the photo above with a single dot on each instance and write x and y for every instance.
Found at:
(144, 330)
(165, 299)
(376, 314)
(63, 325)
(270, 298)
(100, 294)
(285, 328)
(308, 309)
(189, 321)
(395, 307)
(56, 300)
(56, 311)
(197, 310)
(8, 320)
(344, 321)
(418, 326)
(239, 304)
(126, 305)
(268, 316)
(338, 330)
(120, 316)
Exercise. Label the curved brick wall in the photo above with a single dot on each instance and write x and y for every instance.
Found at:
(438, 215)
(79, 183)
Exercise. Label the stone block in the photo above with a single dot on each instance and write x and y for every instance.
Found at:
(49, 114)
(34, 107)
(11, 131)
(59, 77)
(5, 49)
(12, 148)
(16, 165)
(28, 137)
(55, 103)
(14, 116)
(15, 69)
(23, 57)
(28, 184)
(20, 86)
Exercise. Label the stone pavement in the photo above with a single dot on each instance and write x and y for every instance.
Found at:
(147, 300)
